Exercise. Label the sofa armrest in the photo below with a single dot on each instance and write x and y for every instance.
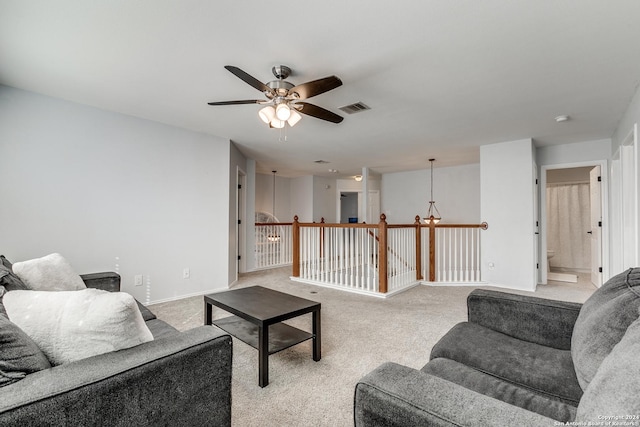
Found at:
(538, 320)
(184, 379)
(395, 395)
(107, 281)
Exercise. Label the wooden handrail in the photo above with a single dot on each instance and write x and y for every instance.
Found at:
(262, 224)
(483, 225)
(323, 225)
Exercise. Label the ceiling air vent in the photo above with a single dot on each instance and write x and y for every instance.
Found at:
(355, 108)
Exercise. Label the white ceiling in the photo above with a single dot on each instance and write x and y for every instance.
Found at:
(442, 77)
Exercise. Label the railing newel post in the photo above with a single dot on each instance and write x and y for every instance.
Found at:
(432, 251)
(295, 237)
(382, 253)
(321, 238)
(418, 249)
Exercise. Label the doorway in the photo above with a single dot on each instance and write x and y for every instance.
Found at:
(351, 207)
(348, 207)
(572, 217)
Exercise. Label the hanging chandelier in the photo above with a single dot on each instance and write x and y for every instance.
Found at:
(433, 215)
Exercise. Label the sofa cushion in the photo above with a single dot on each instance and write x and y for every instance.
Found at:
(603, 320)
(499, 389)
(160, 329)
(73, 325)
(4, 261)
(49, 273)
(146, 313)
(615, 388)
(545, 370)
(19, 355)
(10, 280)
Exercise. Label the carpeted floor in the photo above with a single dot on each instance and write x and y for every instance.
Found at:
(358, 334)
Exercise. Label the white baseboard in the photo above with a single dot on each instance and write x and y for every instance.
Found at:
(474, 284)
(195, 294)
(562, 277)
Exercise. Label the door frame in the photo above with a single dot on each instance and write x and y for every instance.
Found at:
(604, 200)
(630, 198)
(241, 223)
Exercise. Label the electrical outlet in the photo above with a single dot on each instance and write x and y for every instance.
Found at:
(186, 273)
(138, 280)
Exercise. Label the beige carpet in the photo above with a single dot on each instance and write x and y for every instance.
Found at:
(358, 334)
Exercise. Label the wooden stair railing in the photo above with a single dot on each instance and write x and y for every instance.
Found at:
(382, 244)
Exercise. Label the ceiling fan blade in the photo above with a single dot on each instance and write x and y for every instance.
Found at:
(244, 101)
(318, 112)
(316, 87)
(250, 80)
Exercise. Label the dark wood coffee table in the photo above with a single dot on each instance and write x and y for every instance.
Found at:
(258, 315)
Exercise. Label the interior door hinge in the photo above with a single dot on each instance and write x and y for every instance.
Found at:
(600, 269)
(239, 221)
(599, 223)
(599, 179)
(239, 186)
(537, 266)
(536, 181)
(239, 257)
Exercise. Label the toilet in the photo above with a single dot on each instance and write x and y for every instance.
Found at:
(550, 254)
(559, 277)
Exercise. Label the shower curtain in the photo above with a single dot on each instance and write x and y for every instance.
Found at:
(568, 221)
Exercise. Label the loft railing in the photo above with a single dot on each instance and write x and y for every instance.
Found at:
(273, 245)
(453, 252)
(382, 258)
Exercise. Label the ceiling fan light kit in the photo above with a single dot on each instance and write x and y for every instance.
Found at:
(284, 100)
(283, 112)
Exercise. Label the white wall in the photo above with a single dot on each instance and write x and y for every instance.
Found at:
(302, 198)
(574, 153)
(507, 204)
(114, 192)
(456, 192)
(324, 199)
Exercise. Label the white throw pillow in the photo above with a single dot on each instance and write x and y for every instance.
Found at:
(49, 273)
(73, 325)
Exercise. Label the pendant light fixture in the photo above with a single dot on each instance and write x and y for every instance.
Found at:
(273, 236)
(433, 215)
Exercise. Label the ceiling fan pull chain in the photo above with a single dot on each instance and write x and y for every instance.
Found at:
(284, 128)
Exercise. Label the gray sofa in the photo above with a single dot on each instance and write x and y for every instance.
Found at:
(178, 379)
(520, 360)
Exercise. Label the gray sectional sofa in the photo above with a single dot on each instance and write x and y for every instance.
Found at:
(178, 379)
(521, 360)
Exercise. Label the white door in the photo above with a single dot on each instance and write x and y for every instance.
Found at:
(374, 206)
(596, 225)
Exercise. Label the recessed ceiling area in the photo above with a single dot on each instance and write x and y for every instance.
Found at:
(441, 78)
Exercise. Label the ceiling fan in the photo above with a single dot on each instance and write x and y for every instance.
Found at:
(284, 100)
